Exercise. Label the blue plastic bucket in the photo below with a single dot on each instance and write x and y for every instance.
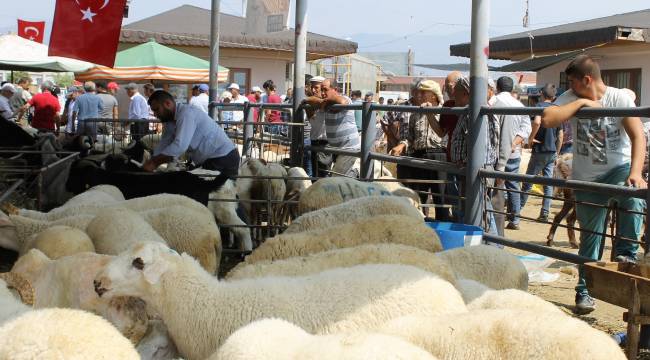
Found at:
(455, 235)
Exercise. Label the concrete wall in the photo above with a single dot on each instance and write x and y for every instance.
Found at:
(609, 59)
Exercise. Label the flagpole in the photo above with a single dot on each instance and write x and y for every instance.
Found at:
(214, 56)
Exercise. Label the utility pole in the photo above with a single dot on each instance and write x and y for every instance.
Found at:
(214, 56)
(299, 64)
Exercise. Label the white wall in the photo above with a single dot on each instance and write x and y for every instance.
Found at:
(261, 70)
(609, 59)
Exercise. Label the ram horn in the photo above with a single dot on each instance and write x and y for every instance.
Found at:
(21, 285)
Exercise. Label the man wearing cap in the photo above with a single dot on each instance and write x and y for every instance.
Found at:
(138, 110)
(237, 98)
(87, 106)
(201, 100)
(109, 107)
(112, 88)
(71, 96)
(316, 129)
(253, 98)
(46, 109)
(6, 92)
(422, 141)
(187, 129)
(515, 129)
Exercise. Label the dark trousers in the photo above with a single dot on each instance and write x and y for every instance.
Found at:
(139, 129)
(228, 164)
(320, 161)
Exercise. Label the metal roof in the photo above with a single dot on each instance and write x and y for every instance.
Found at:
(539, 62)
(577, 35)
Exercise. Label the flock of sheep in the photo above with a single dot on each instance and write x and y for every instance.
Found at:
(356, 275)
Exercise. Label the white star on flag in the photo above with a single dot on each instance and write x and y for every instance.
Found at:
(88, 14)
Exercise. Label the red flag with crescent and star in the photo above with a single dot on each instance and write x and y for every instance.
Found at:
(87, 30)
(31, 30)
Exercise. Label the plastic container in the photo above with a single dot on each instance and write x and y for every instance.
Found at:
(455, 235)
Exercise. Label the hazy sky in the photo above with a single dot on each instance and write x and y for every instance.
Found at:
(380, 25)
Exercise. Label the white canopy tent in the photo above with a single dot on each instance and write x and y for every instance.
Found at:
(19, 54)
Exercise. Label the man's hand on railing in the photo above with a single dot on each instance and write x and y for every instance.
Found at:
(636, 181)
(397, 150)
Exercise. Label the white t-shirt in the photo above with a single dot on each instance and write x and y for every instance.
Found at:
(201, 101)
(238, 115)
(601, 144)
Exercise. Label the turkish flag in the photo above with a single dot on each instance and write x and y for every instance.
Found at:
(32, 30)
(87, 30)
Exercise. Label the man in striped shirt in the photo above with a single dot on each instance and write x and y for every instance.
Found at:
(340, 127)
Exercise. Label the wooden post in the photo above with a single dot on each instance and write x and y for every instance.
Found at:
(634, 308)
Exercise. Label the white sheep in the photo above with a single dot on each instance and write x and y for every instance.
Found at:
(354, 209)
(157, 344)
(505, 334)
(345, 257)
(512, 299)
(369, 230)
(100, 194)
(470, 289)
(295, 188)
(490, 266)
(336, 190)
(58, 241)
(68, 282)
(397, 189)
(62, 334)
(10, 305)
(276, 339)
(201, 311)
(115, 230)
(258, 188)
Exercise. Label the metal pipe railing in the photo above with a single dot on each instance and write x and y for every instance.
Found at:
(537, 249)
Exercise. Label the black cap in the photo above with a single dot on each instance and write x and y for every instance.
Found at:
(549, 91)
(505, 83)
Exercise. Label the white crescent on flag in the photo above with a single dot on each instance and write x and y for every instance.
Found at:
(35, 29)
(106, 2)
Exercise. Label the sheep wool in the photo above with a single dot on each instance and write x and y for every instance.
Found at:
(345, 257)
(62, 334)
(276, 339)
(488, 265)
(116, 230)
(513, 299)
(201, 312)
(470, 289)
(59, 241)
(506, 334)
(156, 344)
(336, 190)
(19, 234)
(10, 305)
(398, 229)
(354, 209)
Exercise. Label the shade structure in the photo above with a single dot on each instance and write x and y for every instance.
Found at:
(152, 61)
(19, 54)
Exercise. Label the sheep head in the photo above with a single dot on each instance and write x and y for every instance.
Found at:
(136, 272)
(8, 234)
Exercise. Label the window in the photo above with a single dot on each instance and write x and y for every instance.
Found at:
(624, 78)
(241, 77)
(274, 23)
(564, 83)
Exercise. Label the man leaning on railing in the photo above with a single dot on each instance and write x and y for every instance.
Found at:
(607, 150)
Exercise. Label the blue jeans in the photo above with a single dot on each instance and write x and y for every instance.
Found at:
(306, 158)
(514, 200)
(566, 149)
(544, 162)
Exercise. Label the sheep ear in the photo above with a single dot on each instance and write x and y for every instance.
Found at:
(152, 272)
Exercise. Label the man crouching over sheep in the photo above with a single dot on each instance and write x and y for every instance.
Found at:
(189, 129)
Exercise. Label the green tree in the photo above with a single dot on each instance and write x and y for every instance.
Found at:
(19, 74)
(63, 79)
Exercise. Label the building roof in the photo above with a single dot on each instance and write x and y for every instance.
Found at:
(578, 35)
(191, 26)
(408, 80)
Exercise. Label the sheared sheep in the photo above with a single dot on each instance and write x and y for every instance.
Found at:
(259, 188)
(115, 230)
(397, 189)
(276, 339)
(345, 257)
(295, 189)
(58, 241)
(100, 194)
(470, 289)
(156, 344)
(398, 229)
(354, 209)
(511, 299)
(336, 190)
(488, 265)
(505, 334)
(62, 334)
(67, 282)
(201, 312)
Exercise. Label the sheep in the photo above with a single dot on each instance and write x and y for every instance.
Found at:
(276, 339)
(488, 265)
(67, 282)
(259, 188)
(295, 188)
(397, 189)
(115, 230)
(62, 334)
(512, 299)
(336, 190)
(156, 344)
(201, 312)
(10, 305)
(371, 230)
(59, 241)
(345, 257)
(354, 209)
(505, 334)
(470, 289)
(100, 194)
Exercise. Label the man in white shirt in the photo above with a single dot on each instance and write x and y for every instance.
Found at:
(138, 110)
(202, 100)
(6, 92)
(608, 150)
(237, 98)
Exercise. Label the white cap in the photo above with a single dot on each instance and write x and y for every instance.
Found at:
(8, 87)
(492, 84)
(233, 86)
(317, 79)
(256, 89)
(226, 95)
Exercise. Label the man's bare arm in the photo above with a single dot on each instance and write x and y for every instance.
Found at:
(634, 130)
(554, 116)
